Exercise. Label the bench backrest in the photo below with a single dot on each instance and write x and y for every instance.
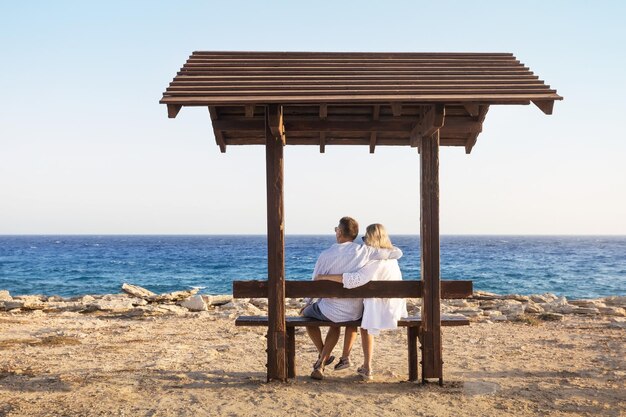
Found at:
(373, 289)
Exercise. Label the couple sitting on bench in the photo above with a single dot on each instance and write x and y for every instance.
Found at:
(354, 265)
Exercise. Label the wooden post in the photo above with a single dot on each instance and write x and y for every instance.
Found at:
(291, 352)
(276, 333)
(412, 352)
(432, 365)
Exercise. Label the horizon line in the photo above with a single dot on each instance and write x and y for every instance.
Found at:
(306, 234)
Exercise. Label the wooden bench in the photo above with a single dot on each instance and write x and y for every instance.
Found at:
(329, 289)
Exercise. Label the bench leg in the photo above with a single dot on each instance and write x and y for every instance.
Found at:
(412, 339)
(420, 336)
(291, 352)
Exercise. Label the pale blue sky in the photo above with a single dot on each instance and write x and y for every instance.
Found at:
(86, 148)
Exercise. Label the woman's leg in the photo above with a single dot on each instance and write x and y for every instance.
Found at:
(348, 341)
(367, 340)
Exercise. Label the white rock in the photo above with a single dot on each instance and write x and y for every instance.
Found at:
(457, 303)
(513, 310)
(114, 306)
(65, 306)
(517, 297)
(137, 291)
(229, 306)
(36, 297)
(171, 308)
(11, 304)
(469, 312)
(551, 316)
(31, 302)
(295, 302)
(550, 296)
(490, 304)
(115, 297)
(252, 310)
(612, 311)
(446, 309)
(259, 302)
(536, 298)
(413, 302)
(138, 301)
(616, 300)
(499, 318)
(559, 305)
(484, 295)
(618, 322)
(218, 300)
(533, 308)
(195, 303)
(174, 296)
(586, 303)
(586, 311)
(5, 296)
(452, 316)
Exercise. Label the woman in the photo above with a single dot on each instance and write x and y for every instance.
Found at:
(379, 313)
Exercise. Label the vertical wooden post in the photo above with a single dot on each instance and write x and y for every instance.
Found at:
(291, 352)
(276, 336)
(432, 365)
(412, 352)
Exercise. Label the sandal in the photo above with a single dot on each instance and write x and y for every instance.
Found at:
(343, 363)
(330, 360)
(365, 374)
(318, 371)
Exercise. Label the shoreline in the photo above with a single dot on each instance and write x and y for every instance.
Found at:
(483, 306)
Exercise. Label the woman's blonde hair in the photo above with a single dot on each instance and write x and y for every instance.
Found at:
(376, 236)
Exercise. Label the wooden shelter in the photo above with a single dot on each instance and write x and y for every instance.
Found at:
(419, 100)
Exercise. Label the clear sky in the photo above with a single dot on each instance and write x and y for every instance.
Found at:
(86, 148)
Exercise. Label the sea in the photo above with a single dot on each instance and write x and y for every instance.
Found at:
(572, 266)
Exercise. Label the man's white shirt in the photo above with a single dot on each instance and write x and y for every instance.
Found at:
(347, 257)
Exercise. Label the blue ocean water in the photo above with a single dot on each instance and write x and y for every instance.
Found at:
(577, 267)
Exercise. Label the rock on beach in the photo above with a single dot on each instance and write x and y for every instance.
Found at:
(480, 307)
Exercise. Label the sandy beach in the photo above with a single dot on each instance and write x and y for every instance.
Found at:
(179, 363)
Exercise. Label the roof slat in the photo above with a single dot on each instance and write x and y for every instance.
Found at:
(327, 97)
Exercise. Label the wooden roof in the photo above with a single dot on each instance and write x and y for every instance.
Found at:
(373, 99)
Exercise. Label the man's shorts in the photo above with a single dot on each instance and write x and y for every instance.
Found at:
(313, 311)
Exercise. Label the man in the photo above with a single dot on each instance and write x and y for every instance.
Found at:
(343, 256)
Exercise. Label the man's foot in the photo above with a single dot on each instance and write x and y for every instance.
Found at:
(344, 363)
(365, 374)
(330, 360)
(318, 371)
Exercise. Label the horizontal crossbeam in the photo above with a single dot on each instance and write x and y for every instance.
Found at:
(373, 289)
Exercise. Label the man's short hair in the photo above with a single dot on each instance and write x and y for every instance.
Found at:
(349, 227)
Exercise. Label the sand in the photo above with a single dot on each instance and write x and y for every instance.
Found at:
(54, 364)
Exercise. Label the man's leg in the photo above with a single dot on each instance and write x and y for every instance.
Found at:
(331, 340)
(329, 344)
(316, 336)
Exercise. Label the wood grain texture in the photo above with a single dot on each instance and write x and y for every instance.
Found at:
(276, 336)
(330, 289)
(299, 321)
(322, 86)
(430, 268)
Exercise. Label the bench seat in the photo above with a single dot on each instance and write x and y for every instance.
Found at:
(299, 321)
(412, 323)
